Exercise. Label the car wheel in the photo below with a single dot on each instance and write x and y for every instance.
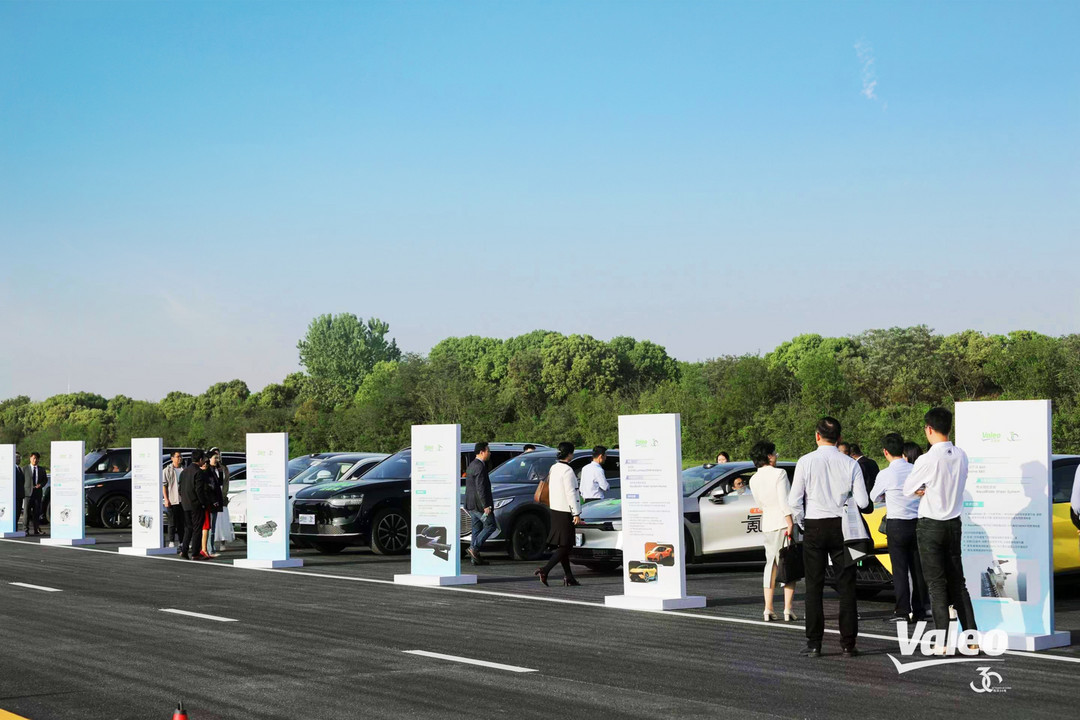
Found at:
(389, 532)
(528, 539)
(116, 512)
(329, 548)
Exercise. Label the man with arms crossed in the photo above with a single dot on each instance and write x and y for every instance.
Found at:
(594, 482)
(902, 516)
(824, 480)
(939, 477)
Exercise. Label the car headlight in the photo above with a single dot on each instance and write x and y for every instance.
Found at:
(503, 502)
(346, 499)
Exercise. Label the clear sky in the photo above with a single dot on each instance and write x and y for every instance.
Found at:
(184, 185)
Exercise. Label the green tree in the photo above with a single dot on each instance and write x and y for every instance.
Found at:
(338, 351)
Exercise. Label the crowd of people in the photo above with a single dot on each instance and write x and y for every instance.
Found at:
(196, 498)
(832, 488)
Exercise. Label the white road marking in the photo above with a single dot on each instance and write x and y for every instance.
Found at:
(470, 661)
(36, 587)
(198, 615)
(521, 596)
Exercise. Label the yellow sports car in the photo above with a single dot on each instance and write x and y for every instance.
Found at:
(875, 573)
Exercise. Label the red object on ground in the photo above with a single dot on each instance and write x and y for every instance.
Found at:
(180, 713)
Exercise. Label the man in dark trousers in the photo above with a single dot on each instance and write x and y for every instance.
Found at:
(20, 490)
(824, 480)
(478, 501)
(193, 498)
(34, 478)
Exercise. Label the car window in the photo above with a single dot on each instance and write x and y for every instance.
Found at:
(118, 461)
(526, 468)
(396, 467)
(92, 459)
(611, 466)
(240, 474)
(1064, 474)
(578, 464)
(324, 471)
(696, 478)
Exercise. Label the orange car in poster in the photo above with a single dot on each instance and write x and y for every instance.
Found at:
(660, 553)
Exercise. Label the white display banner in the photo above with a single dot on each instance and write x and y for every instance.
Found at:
(67, 504)
(268, 502)
(1008, 534)
(9, 508)
(654, 563)
(435, 507)
(146, 499)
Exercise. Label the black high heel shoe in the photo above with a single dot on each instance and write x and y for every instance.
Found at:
(543, 577)
(569, 581)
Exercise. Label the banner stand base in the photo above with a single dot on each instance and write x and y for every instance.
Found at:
(1032, 643)
(68, 541)
(435, 580)
(634, 602)
(147, 551)
(9, 535)
(268, 564)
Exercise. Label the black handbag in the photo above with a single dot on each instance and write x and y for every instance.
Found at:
(789, 563)
(882, 528)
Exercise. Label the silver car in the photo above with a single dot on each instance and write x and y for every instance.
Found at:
(720, 520)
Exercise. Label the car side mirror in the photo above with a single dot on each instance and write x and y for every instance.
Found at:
(717, 496)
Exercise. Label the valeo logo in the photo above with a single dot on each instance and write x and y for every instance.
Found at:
(944, 646)
(992, 437)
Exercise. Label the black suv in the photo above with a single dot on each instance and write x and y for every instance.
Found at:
(372, 510)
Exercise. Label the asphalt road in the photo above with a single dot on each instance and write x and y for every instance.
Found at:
(332, 640)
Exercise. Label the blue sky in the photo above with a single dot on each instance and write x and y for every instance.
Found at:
(183, 186)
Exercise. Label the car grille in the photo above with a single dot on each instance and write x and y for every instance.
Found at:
(466, 523)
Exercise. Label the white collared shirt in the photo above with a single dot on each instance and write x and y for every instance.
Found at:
(1075, 502)
(594, 482)
(890, 485)
(943, 469)
(824, 480)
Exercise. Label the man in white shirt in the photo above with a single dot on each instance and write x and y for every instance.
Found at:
(594, 482)
(902, 513)
(824, 480)
(938, 478)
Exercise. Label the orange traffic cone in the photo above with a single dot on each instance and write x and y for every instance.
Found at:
(180, 713)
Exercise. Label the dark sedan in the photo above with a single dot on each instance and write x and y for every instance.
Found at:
(373, 510)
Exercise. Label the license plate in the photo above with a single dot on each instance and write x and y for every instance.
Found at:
(307, 519)
(579, 539)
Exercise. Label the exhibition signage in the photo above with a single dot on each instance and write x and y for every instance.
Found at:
(146, 499)
(1007, 514)
(268, 502)
(67, 504)
(435, 495)
(9, 508)
(654, 563)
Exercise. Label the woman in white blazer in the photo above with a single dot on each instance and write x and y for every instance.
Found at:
(770, 486)
(565, 504)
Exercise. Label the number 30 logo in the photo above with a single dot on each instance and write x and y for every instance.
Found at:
(988, 677)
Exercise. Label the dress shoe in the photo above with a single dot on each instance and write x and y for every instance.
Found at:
(810, 652)
(543, 577)
(850, 652)
(185, 556)
(768, 616)
(790, 615)
(569, 581)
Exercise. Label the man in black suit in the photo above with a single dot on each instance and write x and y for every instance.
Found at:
(193, 498)
(34, 478)
(478, 501)
(868, 466)
(20, 490)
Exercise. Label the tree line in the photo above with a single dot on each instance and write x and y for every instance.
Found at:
(359, 391)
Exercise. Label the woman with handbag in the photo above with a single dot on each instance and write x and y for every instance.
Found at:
(769, 486)
(565, 513)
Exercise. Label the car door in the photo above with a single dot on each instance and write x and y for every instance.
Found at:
(1066, 550)
(729, 522)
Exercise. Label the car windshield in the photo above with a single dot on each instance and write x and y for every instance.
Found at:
(527, 468)
(300, 464)
(695, 478)
(92, 458)
(323, 470)
(396, 467)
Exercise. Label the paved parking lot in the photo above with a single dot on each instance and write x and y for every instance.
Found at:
(111, 636)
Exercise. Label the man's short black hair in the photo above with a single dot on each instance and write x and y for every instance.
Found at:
(197, 457)
(35, 455)
(855, 449)
(480, 447)
(761, 451)
(939, 420)
(598, 452)
(893, 444)
(529, 447)
(912, 451)
(566, 449)
(174, 453)
(829, 429)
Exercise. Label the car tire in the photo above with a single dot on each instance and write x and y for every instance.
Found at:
(329, 548)
(528, 538)
(390, 532)
(115, 512)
